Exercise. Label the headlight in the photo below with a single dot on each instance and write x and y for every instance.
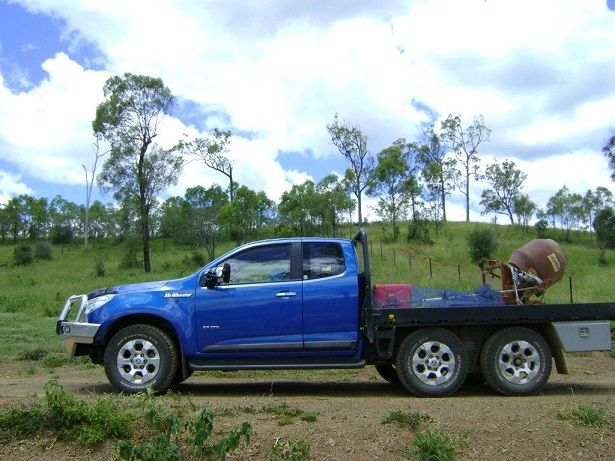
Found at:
(94, 304)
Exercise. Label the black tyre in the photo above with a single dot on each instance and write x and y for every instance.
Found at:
(432, 362)
(141, 357)
(516, 361)
(388, 373)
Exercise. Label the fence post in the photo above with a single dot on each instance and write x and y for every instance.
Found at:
(380, 250)
(430, 270)
(393, 256)
(570, 285)
(459, 273)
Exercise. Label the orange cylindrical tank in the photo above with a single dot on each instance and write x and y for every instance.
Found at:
(544, 258)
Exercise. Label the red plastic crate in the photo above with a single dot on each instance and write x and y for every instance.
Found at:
(392, 296)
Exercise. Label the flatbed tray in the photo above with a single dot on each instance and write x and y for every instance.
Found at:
(480, 315)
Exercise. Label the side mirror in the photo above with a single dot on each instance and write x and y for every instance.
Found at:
(214, 277)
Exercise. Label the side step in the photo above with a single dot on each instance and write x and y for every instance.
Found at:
(277, 364)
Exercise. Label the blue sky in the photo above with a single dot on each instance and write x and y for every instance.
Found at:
(275, 74)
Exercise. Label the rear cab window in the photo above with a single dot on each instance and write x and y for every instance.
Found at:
(322, 259)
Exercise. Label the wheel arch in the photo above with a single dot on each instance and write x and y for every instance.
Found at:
(148, 319)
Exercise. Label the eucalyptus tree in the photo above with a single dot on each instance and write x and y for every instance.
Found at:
(464, 142)
(506, 181)
(352, 144)
(524, 208)
(247, 215)
(129, 120)
(213, 151)
(90, 176)
(204, 207)
(439, 170)
(390, 182)
(609, 151)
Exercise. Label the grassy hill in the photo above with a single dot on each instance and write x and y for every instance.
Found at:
(32, 296)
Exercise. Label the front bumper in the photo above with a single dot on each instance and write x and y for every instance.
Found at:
(78, 331)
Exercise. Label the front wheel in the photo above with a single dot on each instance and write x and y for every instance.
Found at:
(516, 361)
(432, 362)
(141, 357)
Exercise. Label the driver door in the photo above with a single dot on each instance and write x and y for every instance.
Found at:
(259, 310)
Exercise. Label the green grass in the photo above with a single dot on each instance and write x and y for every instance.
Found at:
(585, 415)
(32, 296)
(285, 413)
(432, 445)
(410, 420)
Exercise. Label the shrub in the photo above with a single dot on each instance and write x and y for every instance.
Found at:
(99, 266)
(418, 231)
(482, 242)
(23, 255)
(129, 256)
(541, 227)
(289, 450)
(196, 259)
(42, 250)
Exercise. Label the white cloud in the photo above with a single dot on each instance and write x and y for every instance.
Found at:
(10, 186)
(539, 72)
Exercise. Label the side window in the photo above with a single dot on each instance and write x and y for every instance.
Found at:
(322, 260)
(270, 263)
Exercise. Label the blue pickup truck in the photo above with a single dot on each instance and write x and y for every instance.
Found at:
(307, 303)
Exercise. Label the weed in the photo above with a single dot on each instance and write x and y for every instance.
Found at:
(234, 411)
(410, 420)
(43, 251)
(172, 433)
(34, 354)
(283, 410)
(289, 450)
(21, 421)
(432, 445)
(286, 414)
(309, 416)
(70, 418)
(55, 360)
(29, 370)
(284, 420)
(99, 267)
(584, 415)
(51, 311)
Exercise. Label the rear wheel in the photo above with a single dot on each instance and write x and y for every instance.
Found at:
(516, 361)
(432, 362)
(388, 373)
(141, 357)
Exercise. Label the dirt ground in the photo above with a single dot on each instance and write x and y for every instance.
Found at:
(350, 408)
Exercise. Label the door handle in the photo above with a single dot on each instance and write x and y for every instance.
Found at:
(285, 294)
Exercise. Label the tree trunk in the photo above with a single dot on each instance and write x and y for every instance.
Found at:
(468, 197)
(359, 206)
(147, 265)
(144, 208)
(230, 189)
(443, 193)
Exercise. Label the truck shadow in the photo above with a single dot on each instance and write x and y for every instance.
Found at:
(348, 389)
